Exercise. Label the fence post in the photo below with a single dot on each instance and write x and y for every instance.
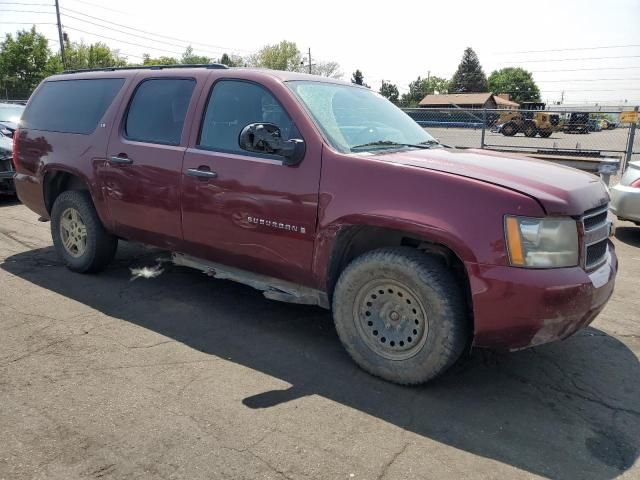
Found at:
(484, 126)
(632, 136)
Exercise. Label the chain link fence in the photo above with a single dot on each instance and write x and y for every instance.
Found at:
(594, 141)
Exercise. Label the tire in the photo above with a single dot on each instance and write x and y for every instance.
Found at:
(409, 297)
(99, 247)
(530, 130)
(509, 129)
(545, 134)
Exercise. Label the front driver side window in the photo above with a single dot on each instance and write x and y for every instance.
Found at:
(234, 104)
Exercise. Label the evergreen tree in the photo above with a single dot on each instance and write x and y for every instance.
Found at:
(469, 77)
(389, 90)
(358, 79)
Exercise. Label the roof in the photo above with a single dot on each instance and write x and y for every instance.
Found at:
(502, 102)
(196, 72)
(456, 99)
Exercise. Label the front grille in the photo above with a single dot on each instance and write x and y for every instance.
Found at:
(596, 253)
(596, 236)
(595, 220)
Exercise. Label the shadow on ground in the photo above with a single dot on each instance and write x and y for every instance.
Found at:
(566, 410)
(8, 200)
(629, 235)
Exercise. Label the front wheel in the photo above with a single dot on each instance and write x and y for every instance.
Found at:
(78, 234)
(530, 130)
(400, 314)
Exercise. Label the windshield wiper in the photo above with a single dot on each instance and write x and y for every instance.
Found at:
(391, 143)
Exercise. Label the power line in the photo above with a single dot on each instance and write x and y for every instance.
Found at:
(591, 80)
(28, 4)
(11, 10)
(123, 41)
(585, 69)
(101, 6)
(571, 49)
(156, 34)
(133, 34)
(28, 23)
(577, 90)
(119, 52)
(571, 59)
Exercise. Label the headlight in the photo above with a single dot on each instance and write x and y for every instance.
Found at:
(542, 242)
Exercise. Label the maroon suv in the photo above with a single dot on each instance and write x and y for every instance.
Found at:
(320, 192)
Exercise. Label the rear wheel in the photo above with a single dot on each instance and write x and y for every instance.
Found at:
(545, 134)
(509, 129)
(78, 235)
(530, 129)
(400, 314)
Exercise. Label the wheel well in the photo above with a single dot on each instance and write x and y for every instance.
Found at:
(57, 182)
(357, 240)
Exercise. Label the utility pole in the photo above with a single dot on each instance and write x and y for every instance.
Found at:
(562, 97)
(64, 60)
(309, 59)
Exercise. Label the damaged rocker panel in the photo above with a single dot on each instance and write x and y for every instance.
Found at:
(272, 288)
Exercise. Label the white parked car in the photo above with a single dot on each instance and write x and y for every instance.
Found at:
(625, 197)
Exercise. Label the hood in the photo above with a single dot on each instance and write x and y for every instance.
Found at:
(560, 190)
(6, 147)
(9, 125)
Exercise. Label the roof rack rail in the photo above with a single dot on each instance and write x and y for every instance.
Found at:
(212, 66)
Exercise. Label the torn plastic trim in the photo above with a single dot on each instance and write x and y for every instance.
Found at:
(272, 288)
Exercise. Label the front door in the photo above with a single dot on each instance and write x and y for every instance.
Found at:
(245, 209)
(141, 178)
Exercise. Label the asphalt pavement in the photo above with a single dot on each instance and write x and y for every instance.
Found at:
(183, 376)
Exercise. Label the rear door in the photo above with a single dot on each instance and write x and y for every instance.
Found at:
(141, 177)
(246, 209)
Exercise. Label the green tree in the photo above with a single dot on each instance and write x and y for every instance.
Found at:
(79, 55)
(515, 81)
(283, 56)
(422, 87)
(230, 61)
(188, 57)
(390, 91)
(358, 78)
(24, 62)
(326, 69)
(149, 60)
(469, 77)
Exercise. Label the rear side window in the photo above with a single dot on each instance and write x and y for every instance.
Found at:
(71, 106)
(157, 111)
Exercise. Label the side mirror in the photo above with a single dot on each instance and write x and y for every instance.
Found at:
(267, 138)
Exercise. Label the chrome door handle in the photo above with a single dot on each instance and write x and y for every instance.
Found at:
(118, 160)
(194, 172)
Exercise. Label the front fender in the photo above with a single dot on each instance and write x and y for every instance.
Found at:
(329, 239)
(464, 214)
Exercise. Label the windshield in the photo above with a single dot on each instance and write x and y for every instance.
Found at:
(356, 119)
(10, 113)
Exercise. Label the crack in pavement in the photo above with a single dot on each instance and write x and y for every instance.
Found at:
(385, 468)
(28, 354)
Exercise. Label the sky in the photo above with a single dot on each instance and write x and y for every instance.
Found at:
(395, 41)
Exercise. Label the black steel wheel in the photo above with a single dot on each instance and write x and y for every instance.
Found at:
(400, 314)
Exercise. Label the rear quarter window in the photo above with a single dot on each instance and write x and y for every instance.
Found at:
(71, 106)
